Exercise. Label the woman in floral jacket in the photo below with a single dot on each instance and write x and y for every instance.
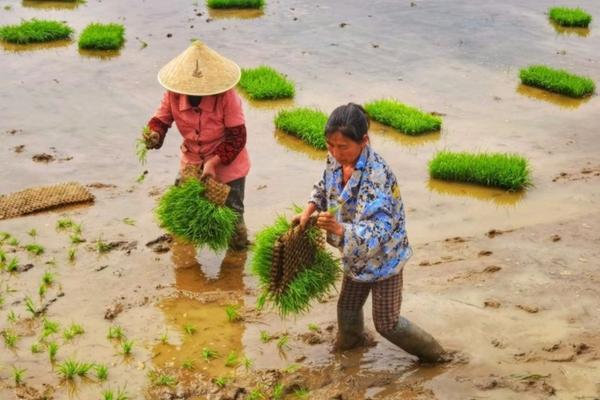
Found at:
(366, 222)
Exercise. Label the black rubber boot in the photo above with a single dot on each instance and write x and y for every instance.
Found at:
(351, 331)
(414, 340)
(239, 240)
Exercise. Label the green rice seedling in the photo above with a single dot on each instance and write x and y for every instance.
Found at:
(11, 317)
(265, 83)
(101, 372)
(189, 329)
(84, 368)
(505, 171)
(406, 119)
(10, 338)
(48, 278)
(35, 31)
(235, 3)
(265, 337)
(72, 331)
(188, 364)
(72, 254)
(141, 150)
(102, 246)
(4, 236)
(278, 391)
(32, 232)
(76, 238)
(36, 348)
(52, 351)
(256, 394)
(77, 229)
(13, 265)
(164, 338)
(18, 375)
(162, 379)
(570, 17)
(7, 7)
(557, 81)
(129, 221)
(120, 394)
(184, 212)
(142, 177)
(35, 249)
(222, 381)
(115, 332)
(13, 242)
(283, 342)
(64, 224)
(247, 363)
(2, 256)
(290, 369)
(1, 300)
(232, 360)
(30, 307)
(51, 262)
(301, 393)
(68, 369)
(209, 354)
(305, 123)
(233, 314)
(42, 290)
(314, 328)
(127, 347)
(102, 37)
(49, 327)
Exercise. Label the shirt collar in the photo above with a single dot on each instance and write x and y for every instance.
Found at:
(206, 104)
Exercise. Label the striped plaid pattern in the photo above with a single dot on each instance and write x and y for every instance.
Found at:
(387, 299)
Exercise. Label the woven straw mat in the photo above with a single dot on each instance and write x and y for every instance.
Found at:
(293, 252)
(42, 198)
(216, 192)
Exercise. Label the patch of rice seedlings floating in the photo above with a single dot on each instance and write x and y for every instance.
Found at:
(129, 221)
(36, 348)
(101, 372)
(97, 36)
(570, 17)
(188, 364)
(64, 224)
(305, 123)
(235, 3)
(18, 375)
(35, 249)
(49, 327)
(282, 342)
(141, 150)
(209, 354)
(35, 31)
(10, 338)
(406, 119)
(232, 360)
(557, 81)
(233, 314)
(119, 394)
(189, 329)
(265, 337)
(127, 347)
(265, 83)
(221, 381)
(52, 351)
(115, 332)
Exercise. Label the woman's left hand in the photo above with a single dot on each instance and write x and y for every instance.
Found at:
(210, 167)
(327, 221)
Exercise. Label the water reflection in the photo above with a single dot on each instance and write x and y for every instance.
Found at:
(295, 144)
(391, 134)
(266, 104)
(554, 98)
(100, 54)
(498, 196)
(19, 48)
(563, 30)
(51, 5)
(240, 13)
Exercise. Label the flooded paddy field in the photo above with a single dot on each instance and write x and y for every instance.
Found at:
(508, 279)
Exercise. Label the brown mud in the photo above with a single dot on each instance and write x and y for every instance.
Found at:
(533, 253)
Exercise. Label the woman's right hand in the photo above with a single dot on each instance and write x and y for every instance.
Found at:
(152, 140)
(304, 216)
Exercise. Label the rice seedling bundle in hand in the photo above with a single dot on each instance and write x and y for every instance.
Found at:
(292, 266)
(235, 3)
(102, 37)
(505, 171)
(141, 150)
(570, 17)
(185, 211)
(265, 83)
(35, 31)
(404, 118)
(305, 123)
(557, 81)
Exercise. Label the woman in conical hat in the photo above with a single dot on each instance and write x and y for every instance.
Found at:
(202, 101)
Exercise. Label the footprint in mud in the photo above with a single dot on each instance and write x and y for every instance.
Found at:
(43, 157)
(161, 244)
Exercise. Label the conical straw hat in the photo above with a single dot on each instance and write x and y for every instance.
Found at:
(199, 71)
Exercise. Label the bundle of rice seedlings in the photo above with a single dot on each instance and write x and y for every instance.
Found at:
(102, 37)
(570, 17)
(506, 171)
(311, 283)
(235, 3)
(557, 81)
(185, 212)
(35, 31)
(305, 123)
(265, 83)
(406, 119)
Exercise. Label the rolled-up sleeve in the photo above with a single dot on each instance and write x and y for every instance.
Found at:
(162, 119)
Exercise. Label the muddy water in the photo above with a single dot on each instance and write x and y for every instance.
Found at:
(459, 59)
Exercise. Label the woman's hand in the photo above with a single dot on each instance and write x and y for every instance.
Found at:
(327, 221)
(304, 216)
(152, 140)
(209, 168)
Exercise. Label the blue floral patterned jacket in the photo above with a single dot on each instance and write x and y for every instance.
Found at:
(374, 245)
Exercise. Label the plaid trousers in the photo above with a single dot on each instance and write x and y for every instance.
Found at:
(387, 298)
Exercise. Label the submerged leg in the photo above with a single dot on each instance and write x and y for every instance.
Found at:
(351, 324)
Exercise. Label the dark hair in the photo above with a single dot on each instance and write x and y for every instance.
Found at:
(350, 120)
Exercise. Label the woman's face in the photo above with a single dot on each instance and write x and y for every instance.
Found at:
(345, 151)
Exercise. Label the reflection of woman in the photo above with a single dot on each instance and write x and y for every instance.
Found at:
(368, 228)
(200, 99)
